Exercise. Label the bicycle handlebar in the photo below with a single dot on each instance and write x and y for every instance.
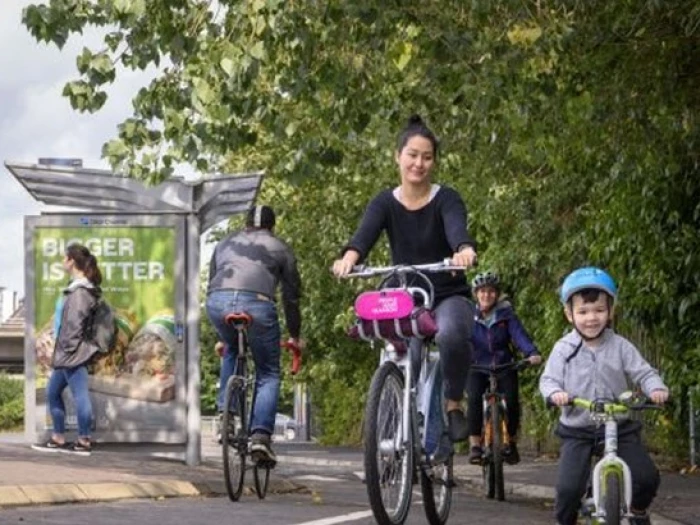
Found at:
(623, 404)
(296, 355)
(497, 369)
(363, 271)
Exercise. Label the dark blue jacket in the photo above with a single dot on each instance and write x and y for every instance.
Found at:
(493, 339)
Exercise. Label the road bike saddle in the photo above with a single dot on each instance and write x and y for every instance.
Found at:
(238, 319)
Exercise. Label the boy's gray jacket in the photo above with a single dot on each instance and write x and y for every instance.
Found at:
(72, 349)
(604, 373)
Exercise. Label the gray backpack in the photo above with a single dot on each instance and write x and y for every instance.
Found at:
(102, 327)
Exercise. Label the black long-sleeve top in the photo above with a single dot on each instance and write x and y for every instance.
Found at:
(427, 235)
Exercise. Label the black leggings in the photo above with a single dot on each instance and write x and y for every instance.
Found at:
(455, 320)
(477, 384)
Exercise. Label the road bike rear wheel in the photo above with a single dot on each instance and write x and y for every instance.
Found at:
(261, 475)
(437, 491)
(611, 482)
(234, 436)
(388, 454)
(493, 463)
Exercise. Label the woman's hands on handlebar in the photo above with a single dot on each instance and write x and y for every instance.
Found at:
(466, 257)
(344, 266)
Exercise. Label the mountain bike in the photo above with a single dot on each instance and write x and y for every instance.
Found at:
(405, 432)
(239, 398)
(608, 497)
(494, 433)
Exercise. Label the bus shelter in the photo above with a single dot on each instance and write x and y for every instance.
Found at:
(147, 243)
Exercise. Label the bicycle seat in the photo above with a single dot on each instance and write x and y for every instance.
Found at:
(238, 319)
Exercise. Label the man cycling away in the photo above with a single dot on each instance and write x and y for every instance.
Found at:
(244, 272)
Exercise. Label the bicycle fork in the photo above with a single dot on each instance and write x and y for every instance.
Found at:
(611, 464)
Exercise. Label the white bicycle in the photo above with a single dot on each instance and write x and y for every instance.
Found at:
(608, 497)
(405, 433)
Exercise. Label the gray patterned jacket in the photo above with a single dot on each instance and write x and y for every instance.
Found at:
(254, 260)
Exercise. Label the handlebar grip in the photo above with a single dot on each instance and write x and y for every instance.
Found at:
(296, 356)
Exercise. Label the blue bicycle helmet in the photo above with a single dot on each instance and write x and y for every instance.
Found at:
(588, 277)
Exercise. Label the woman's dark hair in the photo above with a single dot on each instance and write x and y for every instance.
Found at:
(416, 126)
(85, 262)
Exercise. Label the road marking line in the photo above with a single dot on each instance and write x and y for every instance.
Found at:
(315, 477)
(353, 516)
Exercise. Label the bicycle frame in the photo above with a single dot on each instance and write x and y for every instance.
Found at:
(610, 463)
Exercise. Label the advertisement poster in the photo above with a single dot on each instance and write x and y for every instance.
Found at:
(136, 389)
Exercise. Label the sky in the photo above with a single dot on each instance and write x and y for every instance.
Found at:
(37, 121)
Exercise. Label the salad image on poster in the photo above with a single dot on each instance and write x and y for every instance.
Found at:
(137, 265)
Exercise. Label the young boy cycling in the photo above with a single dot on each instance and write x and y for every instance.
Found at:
(594, 362)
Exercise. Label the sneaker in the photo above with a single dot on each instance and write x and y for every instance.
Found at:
(642, 519)
(510, 454)
(457, 425)
(79, 449)
(260, 448)
(476, 456)
(50, 446)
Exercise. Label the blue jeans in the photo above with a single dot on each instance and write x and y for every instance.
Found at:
(77, 380)
(264, 341)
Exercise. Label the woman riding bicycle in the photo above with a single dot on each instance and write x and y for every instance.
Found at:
(426, 222)
(496, 330)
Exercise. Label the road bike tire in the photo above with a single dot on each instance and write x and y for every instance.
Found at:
(388, 455)
(611, 502)
(493, 463)
(261, 475)
(437, 491)
(234, 436)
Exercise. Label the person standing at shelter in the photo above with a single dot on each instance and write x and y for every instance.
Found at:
(73, 351)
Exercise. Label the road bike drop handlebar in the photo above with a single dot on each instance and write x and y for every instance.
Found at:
(296, 355)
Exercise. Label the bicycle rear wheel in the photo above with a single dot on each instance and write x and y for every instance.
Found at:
(611, 483)
(388, 454)
(261, 475)
(493, 463)
(234, 436)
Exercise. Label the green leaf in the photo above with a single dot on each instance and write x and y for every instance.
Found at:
(115, 148)
(228, 65)
(257, 51)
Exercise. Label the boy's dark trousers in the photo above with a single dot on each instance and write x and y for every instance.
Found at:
(577, 445)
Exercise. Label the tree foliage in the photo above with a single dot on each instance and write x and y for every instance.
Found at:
(570, 128)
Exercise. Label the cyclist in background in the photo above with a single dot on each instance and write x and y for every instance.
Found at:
(245, 270)
(497, 329)
(426, 222)
(593, 362)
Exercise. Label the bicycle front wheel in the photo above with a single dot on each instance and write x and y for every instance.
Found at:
(612, 498)
(388, 452)
(234, 436)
